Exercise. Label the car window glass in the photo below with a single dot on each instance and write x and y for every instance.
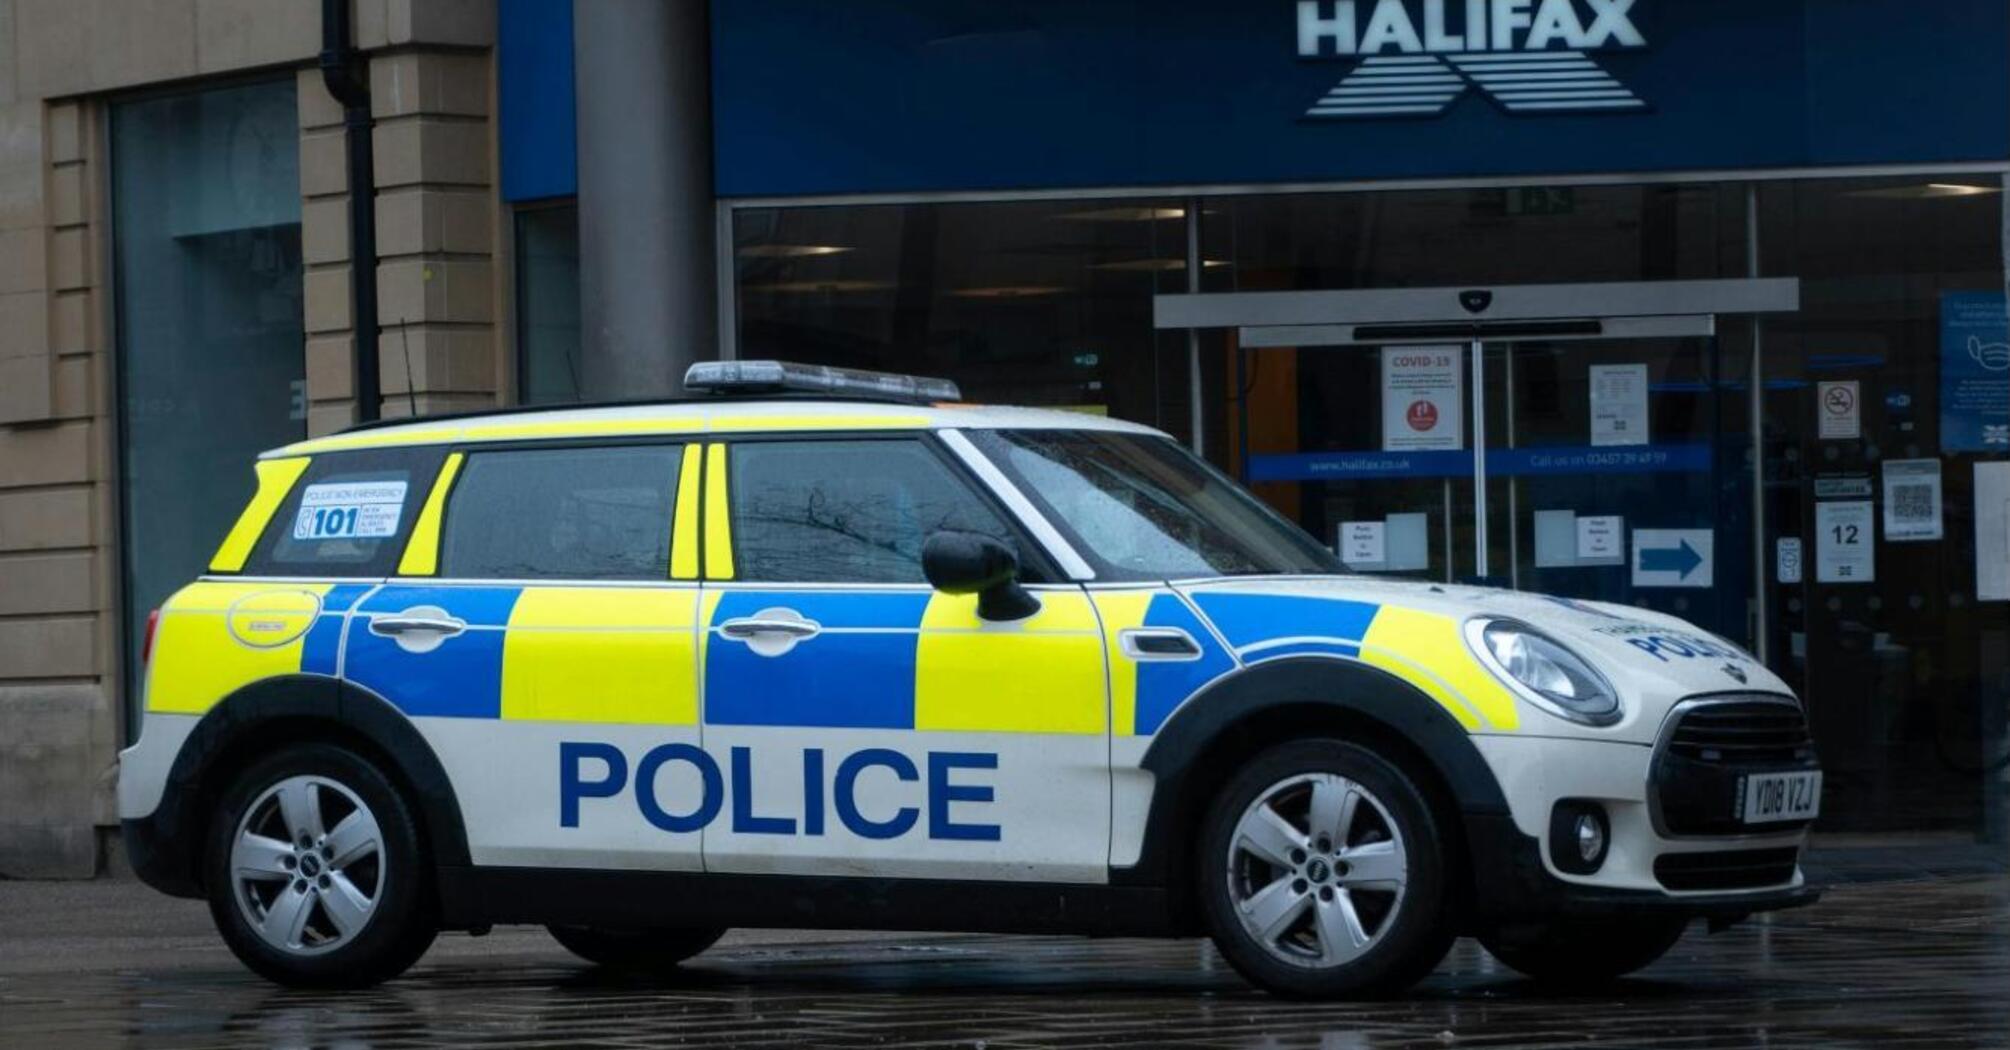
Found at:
(347, 516)
(845, 511)
(1144, 508)
(571, 513)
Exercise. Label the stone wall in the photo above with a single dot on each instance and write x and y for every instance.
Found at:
(62, 696)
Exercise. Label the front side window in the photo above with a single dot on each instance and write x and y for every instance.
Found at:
(565, 513)
(845, 511)
(1143, 508)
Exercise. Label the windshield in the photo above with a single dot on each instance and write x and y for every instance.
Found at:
(1143, 508)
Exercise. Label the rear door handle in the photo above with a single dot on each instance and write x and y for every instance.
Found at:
(419, 629)
(771, 632)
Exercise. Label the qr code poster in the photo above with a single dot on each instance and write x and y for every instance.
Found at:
(1911, 500)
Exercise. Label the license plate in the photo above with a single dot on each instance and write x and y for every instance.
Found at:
(1770, 798)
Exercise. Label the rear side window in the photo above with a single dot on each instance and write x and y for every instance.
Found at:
(563, 513)
(845, 511)
(348, 515)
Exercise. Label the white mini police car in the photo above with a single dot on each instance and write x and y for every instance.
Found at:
(867, 658)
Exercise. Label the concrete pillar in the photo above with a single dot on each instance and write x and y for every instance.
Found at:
(647, 292)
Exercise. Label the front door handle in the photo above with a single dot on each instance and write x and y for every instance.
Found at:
(419, 629)
(771, 632)
(1145, 644)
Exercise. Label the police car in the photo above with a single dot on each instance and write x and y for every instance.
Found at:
(829, 649)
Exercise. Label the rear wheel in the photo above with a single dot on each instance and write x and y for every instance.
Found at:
(637, 950)
(316, 873)
(1323, 873)
(1582, 953)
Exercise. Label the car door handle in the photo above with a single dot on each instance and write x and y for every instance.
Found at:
(771, 632)
(1158, 643)
(397, 625)
(420, 629)
(747, 627)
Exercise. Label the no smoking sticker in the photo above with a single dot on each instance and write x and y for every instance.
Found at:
(1840, 406)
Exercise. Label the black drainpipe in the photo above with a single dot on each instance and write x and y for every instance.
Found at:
(347, 74)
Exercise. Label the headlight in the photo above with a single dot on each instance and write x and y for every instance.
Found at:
(1545, 672)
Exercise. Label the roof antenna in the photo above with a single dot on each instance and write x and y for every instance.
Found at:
(411, 395)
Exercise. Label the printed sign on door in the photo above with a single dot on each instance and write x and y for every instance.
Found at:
(1423, 391)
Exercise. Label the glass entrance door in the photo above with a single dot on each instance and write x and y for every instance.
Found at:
(1614, 469)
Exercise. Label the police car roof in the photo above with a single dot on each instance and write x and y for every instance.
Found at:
(714, 415)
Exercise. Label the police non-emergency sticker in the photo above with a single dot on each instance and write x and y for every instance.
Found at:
(350, 510)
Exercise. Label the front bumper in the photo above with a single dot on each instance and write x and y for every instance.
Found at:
(1516, 877)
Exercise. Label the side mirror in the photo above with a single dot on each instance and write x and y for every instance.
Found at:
(973, 563)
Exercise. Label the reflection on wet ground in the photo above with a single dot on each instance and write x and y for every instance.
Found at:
(1923, 963)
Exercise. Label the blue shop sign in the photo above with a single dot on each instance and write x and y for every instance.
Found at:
(1974, 372)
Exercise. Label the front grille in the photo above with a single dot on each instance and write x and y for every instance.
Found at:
(1699, 774)
(1743, 733)
(1747, 869)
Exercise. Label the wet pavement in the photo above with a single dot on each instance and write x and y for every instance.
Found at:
(1919, 962)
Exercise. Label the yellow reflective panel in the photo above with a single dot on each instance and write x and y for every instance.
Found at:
(822, 421)
(718, 517)
(215, 637)
(630, 427)
(1119, 612)
(374, 439)
(684, 530)
(1043, 674)
(1427, 651)
(601, 654)
(275, 480)
(422, 551)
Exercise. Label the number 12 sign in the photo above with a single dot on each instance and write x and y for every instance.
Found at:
(1844, 538)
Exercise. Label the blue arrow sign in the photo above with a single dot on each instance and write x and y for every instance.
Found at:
(1681, 560)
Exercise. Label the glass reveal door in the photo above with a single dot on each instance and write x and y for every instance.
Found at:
(1615, 471)
(1382, 469)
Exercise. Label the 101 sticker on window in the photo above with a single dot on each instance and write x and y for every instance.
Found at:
(352, 510)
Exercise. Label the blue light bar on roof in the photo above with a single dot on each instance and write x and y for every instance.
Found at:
(745, 377)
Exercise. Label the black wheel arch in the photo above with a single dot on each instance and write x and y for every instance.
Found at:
(165, 848)
(1194, 753)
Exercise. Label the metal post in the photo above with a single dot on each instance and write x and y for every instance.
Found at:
(1514, 484)
(1762, 641)
(1197, 418)
(1480, 569)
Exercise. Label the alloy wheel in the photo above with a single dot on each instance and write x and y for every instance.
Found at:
(307, 865)
(1317, 870)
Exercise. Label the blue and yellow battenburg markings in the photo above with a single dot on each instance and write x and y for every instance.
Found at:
(217, 636)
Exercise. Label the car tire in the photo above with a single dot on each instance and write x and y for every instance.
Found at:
(1324, 873)
(317, 875)
(642, 951)
(1583, 954)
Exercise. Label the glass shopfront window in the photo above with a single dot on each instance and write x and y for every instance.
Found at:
(547, 304)
(1880, 397)
(205, 190)
(1042, 303)
(1599, 445)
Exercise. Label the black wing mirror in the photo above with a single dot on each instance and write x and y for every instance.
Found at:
(973, 563)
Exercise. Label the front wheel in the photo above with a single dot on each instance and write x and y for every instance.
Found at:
(643, 951)
(1323, 873)
(316, 871)
(1581, 953)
